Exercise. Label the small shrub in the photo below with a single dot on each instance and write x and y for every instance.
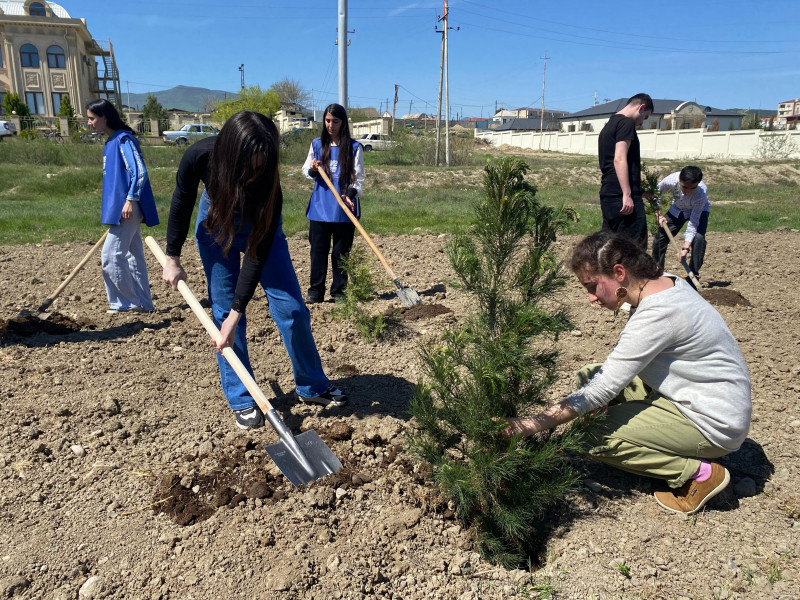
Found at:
(361, 287)
(652, 197)
(775, 146)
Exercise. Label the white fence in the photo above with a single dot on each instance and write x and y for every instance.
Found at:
(683, 143)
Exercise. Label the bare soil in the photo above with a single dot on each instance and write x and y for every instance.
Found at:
(123, 475)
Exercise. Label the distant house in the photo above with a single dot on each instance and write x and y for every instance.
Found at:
(667, 114)
(525, 118)
(291, 117)
(535, 124)
(788, 113)
(47, 55)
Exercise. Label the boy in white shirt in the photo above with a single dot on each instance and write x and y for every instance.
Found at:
(690, 204)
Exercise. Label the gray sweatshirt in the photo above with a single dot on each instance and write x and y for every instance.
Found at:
(679, 345)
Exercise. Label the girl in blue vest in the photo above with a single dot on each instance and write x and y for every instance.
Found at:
(327, 220)
(127, 201)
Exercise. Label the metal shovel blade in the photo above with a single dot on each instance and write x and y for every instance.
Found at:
(408, 296)
(302, 458)
(317, 459)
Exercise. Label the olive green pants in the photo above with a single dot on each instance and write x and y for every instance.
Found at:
(643, 432)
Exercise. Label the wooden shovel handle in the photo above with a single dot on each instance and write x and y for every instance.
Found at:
(352, 217)
(208, 324)
(683, 260)
(71, 276)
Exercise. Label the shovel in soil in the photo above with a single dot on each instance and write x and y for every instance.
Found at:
(40, 312)
(302, 458)
(692, 277)
(408, 296)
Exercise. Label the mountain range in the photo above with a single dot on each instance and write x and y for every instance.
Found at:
(193, 99)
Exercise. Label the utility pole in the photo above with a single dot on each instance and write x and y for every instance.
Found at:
(439, 103)
(541, 116)
(394, 108)
(595, 98)
(342, 43)
(446, 90)
(241, 72)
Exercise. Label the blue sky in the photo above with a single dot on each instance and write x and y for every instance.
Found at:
(723, 53)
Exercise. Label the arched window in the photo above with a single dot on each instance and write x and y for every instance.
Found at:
(37, 9)
(56, 58)
(29, 55)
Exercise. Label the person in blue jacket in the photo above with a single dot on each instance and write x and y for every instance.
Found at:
(327, 221)
(127, 201)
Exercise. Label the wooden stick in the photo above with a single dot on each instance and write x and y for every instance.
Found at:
(227, 351)
(683, 260)
(352, 217)
(46, 304)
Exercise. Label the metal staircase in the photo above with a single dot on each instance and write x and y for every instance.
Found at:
(107, 84)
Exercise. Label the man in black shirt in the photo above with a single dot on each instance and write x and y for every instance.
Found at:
(621, 165)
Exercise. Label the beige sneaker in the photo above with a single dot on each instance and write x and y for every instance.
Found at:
(693, 495)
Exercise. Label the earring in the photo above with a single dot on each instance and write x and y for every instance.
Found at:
(620, 293)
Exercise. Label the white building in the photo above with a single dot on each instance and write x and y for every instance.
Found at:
(45, 55)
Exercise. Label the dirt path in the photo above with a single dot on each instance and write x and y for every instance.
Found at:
(123, 474)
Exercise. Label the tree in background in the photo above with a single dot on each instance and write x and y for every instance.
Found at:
(714, 125)
(66, 110)
(252, 98)
(291, 93)
(152, 109)
(498, 363)
(751, 121)
(14, 104)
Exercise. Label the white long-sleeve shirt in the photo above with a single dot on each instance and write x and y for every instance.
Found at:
(690, 205)
(358, 167)
(678, 344)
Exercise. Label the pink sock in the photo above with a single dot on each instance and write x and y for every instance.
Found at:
(704, 472)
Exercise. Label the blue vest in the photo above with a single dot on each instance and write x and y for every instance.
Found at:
(117, 182)
(323, 206)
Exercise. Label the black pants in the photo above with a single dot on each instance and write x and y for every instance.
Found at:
(633, 225)
(661, 241)
(320, 234)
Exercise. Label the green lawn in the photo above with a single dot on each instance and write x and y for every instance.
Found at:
(52, 192)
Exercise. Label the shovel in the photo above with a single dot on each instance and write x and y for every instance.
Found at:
(689, 272)
(302, 458)
(40, 312)
(408, 296)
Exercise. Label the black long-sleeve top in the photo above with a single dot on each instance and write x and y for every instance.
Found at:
(194, 168)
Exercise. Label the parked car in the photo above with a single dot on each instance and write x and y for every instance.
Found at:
(375, 141)
(7, 128)
(190, 132)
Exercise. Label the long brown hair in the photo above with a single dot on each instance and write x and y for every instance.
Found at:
(597, 254)
(243, 179)
(345, 142)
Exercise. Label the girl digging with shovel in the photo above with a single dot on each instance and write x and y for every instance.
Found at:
(240, 214)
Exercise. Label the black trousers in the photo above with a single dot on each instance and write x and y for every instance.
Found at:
(320, 234)
(661, 241)
(633, 225)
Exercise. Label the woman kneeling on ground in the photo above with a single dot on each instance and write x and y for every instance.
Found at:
(675, 390)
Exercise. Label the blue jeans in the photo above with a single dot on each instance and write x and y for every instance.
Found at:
(285, 305)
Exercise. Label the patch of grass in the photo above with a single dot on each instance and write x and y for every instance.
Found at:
(404, 198)
(774, 574)
(544, 590)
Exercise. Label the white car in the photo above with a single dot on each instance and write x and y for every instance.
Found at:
(189, 133)
(375, 141)
(7, 128)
